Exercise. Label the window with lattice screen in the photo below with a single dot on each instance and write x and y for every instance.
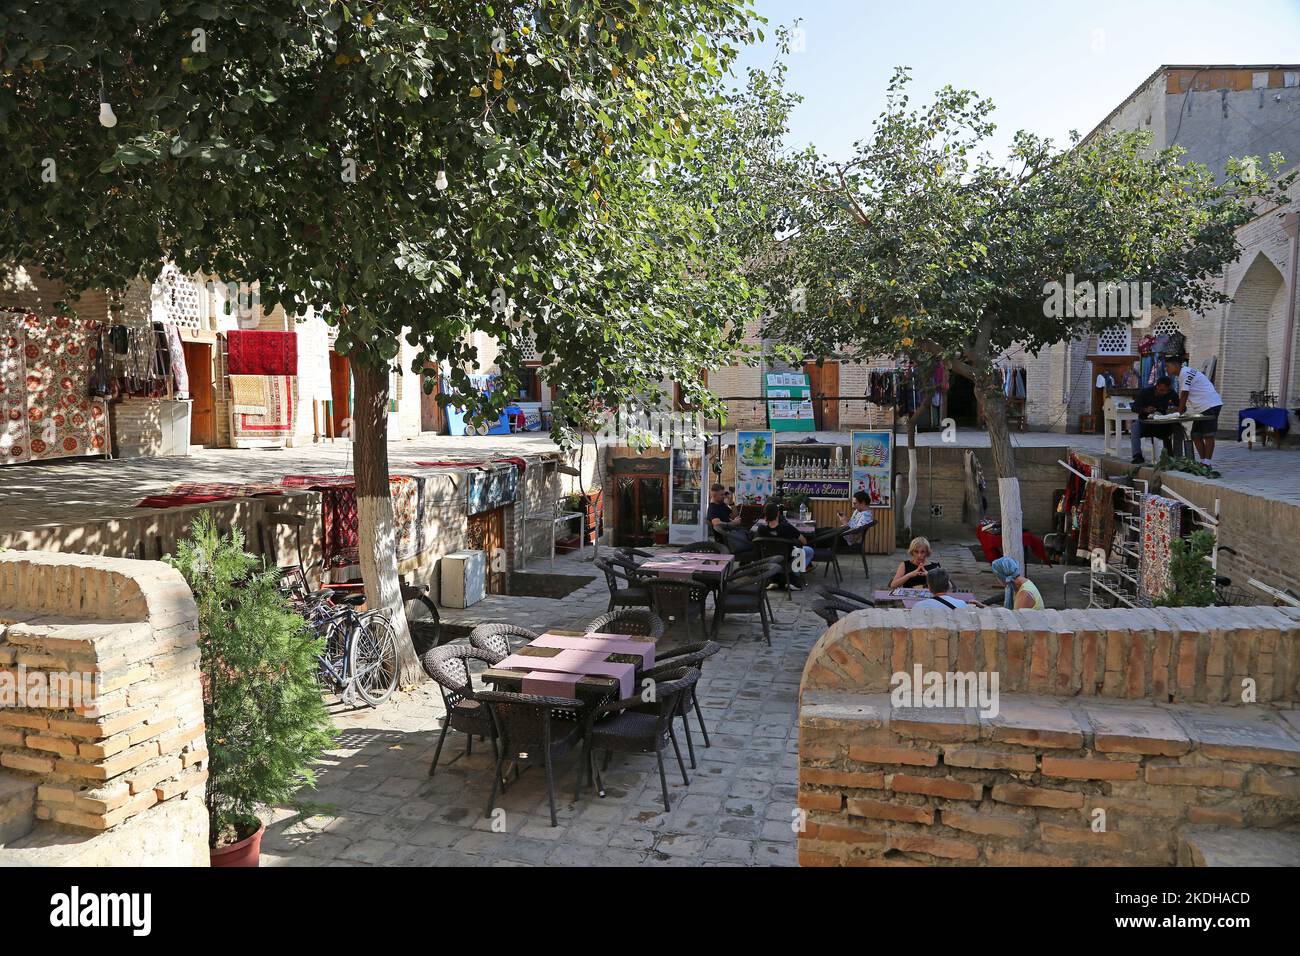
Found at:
(1166, 326)
(1114, 341)
(179, 298)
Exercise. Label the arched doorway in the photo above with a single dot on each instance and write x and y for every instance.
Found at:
(1255, 333)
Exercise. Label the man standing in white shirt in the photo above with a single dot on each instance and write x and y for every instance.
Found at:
(1197, 396)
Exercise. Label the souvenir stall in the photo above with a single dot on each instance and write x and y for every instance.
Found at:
(457, 417)
(1125, 533)
(54, 386)
(150, 407)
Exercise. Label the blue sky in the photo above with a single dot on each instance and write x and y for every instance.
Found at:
(1049, 66)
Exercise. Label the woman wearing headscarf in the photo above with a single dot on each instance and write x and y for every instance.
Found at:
(1021, 593)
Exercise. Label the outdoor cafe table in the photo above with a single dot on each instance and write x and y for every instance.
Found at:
(683, 566)
(888, 597)
(573, 658)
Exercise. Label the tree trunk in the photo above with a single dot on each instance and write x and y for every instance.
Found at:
(994, 406)
(376, 531)
(913, 479)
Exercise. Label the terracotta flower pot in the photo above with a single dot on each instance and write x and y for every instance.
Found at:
(247, 852)
(661, 537)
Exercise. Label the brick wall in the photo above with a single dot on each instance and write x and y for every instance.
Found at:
(137, 739)
(1136, 714)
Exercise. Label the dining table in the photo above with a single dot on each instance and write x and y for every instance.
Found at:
(908, 600)
(684, 566)
(587, 667)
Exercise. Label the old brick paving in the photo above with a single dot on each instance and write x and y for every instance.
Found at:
(374, 803)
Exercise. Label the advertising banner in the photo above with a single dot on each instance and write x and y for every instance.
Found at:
(871, 455)
(755, 463)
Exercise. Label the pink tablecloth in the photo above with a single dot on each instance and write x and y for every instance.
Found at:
(579, 663)
(608, 644)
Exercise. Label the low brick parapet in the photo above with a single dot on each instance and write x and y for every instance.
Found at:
(114, 642)
(1161, 654)
(885, 785)
(1110, 736)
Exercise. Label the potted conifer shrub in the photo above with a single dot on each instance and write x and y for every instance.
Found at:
(266, 721)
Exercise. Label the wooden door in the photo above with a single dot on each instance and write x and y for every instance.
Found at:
(431, 414)
(340, 393)
(203, 415)
(487, 533)
(825, 380)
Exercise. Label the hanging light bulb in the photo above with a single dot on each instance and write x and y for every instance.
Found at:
(107, 118)
(441, 181)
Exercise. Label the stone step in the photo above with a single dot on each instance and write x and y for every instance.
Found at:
(1220, 847)
(17, 807)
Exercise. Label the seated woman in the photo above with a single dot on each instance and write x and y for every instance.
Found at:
(1021, 593)
(912, 570)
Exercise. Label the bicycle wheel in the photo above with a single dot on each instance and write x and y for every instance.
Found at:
(422, 619)
(374, 659)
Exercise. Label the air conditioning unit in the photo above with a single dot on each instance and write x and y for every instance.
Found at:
(464, 578)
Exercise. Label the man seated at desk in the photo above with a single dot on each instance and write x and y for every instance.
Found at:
(1154, 399)
(721, 521)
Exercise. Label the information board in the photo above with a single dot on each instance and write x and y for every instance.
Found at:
(789, 402)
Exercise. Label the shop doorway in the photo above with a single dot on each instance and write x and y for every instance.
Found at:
(432, 417)
(203, 413)
(640, 502)
(1114, 366)
(963, 408)
(487, 533)
(340, 394)
(824, 380)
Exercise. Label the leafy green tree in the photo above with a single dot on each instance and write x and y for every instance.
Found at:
(266, 723)
(923, 246)
(564, 171)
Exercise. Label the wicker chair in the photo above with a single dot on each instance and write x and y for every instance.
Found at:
(449, 666)
(689, 655)
(631, 553)
(495, 638)
(783, 548)
(832, 602)
(530, 732)
(825, 544)
(620, 726)
(633, 594)
(641, 622)
(674, 602)
(745, 593)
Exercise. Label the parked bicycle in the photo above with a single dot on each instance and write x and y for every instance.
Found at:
(360, 654)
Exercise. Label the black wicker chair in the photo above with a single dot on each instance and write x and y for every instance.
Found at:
(630, 553)
(783, 548)
(496, 638)
(633, 594)
(530, 732)
(688, 655)
(832, 602)
(641, 622)
(825, 545)
(745, 592)
(621, 726)
(449, 667)
(674, 602)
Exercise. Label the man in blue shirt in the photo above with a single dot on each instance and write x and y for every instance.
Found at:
(1153, 400)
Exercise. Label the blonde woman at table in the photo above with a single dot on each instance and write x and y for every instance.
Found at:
(911, 573)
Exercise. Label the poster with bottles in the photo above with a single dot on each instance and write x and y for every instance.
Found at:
(755, 462)
(789, 402)
(871, 455)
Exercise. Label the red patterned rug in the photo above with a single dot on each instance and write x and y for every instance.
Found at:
(273, 427)
(251, 352)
